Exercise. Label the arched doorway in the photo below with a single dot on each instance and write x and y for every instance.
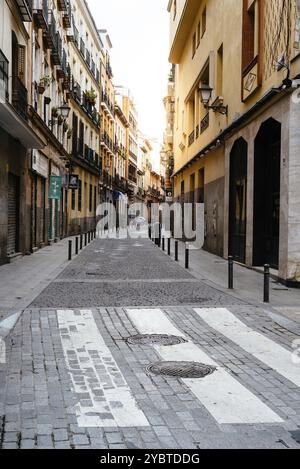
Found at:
(266, 216)
(238, 200)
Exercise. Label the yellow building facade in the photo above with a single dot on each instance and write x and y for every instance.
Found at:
(235, 127)
(85, 49)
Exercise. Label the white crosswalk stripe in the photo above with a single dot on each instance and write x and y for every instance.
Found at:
(103, 396)
(255, 343)
(228, 401)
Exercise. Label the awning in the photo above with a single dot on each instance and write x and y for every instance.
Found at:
(18, 128)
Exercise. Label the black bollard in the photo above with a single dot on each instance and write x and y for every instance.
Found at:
(187, 257)
(81, 242)
(163, 243)
(176, 251)
(76, 245)
(169, 246)
(230, 273)
(70, 251)
(159, 236)
(267, 284)
(85, 239)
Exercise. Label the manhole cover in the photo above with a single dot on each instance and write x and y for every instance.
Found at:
(181, 369)
(155, 339)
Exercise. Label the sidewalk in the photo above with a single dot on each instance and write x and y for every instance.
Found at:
(248, 283)
(26, 278)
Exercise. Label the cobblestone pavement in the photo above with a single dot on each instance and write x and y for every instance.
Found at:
(73, 380)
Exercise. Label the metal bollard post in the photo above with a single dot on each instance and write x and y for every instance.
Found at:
(159, 236)
(81, 242)
(267, 284)
(85, 239)
(163, 243)
(169, 246)
(70, 251)
(176, 251)
(149, 232)
(89, 237)
(230, 273)
(76, 245)
(187, 257)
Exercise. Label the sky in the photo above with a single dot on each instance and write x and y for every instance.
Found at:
(139, 32)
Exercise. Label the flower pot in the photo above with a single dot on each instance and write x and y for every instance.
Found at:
(41, 89)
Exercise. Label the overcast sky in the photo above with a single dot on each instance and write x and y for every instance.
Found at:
(139, 31)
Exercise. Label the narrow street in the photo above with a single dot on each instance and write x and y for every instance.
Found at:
(88, 363)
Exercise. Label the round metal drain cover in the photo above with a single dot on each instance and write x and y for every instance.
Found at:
(155, 339)
(181, 369)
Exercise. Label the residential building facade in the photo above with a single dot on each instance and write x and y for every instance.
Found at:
(85, 50)
(16, 135)
(236, 133)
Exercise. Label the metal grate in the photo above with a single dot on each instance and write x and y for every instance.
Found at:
(155, 339)
(181, 369)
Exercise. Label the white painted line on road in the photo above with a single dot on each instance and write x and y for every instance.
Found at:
(103, 397)
(255, 343)
(224, 397)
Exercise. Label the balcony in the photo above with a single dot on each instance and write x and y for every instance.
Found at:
(107, 105)
(82, 47)
(13, 113)
(109, 70)
(25, 8)
(107, 143)
(204, 123)
(67, 17)
(49, 34)
(106, 179)
(19, 97)
(120, 183)
(56, 53)
(41, 14)
(62, 5)
(191, 138)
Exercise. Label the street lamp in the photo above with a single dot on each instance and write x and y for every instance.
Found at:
(205, 95)
(64, 111)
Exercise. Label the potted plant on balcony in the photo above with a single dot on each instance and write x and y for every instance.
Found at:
(44, 83)
(91, 97)
(65, 126)
(69, 134)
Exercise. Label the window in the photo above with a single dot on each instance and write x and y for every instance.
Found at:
(194, 45)
(91, 198)
(95, 198)
(203, 22)
(174, 9)
(4, 73)
(79, 195)
(198, 34)
(73, 199)
(182, 189)
(249, 35)
(220, 72)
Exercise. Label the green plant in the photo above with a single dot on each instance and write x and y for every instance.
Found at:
(91, 96)
(45, 81)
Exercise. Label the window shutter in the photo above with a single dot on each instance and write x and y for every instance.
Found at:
(21, 63)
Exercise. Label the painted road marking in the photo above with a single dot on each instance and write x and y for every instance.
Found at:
(224, 397)
(255, 343)
(103, 396)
